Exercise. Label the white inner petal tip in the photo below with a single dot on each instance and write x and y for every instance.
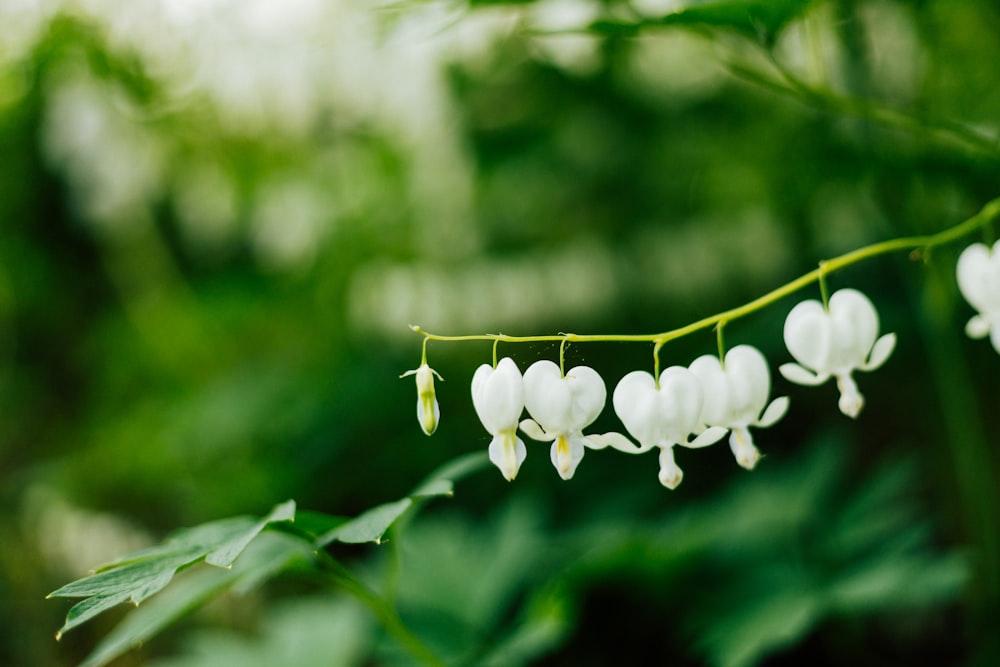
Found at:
(507, 453)
(978, 327)
(670, 475)
(741, 443)
(851, 401)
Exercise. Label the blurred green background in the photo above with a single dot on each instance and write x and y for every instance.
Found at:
(218, 218)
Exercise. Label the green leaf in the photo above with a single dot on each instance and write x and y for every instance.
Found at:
(140, 575)
(267, 556)
(228, 551)
(313, 524)
(370, 526)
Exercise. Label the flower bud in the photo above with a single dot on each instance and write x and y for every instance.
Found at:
(428, 412)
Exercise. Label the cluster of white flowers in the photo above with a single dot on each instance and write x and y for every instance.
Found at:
(696, 406)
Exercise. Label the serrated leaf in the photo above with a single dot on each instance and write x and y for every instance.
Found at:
(82, 612)
(129, 577)
(369, 526)
(144, 573)
(267, 556)
(313, 524)
(226, 553)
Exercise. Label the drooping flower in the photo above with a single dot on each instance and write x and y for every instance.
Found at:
(978, 274)
(561, 407)
(498, 396)
(663, 414)
(735, 395)
(835, 343)
(428, 412)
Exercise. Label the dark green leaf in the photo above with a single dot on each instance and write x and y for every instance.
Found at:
(370, 526)
(139, 575)
(267, 556)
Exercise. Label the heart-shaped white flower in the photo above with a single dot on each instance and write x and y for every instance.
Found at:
(498, 396)
(735, 396)
(835, 343)
(663, 414)
(561, 407)
(978, 273)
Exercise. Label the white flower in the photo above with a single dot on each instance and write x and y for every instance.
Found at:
(735, 396)
(428, 412)
(561, 407)
(979, 281)
(836, 342)
(498, 396)
(663, 414)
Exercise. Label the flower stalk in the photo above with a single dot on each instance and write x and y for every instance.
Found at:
(918, 245)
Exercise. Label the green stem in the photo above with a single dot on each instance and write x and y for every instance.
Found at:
(656, 362)
(720, 339)
(823, 290)
(341, 577)
(917, 244)
(844, 105)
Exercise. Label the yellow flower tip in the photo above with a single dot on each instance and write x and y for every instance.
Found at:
(58, 636)
(415, 328)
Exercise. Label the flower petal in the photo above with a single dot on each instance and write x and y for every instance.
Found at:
(428, 413)
(498, 395)
(566, 454)
(995, 338)
(635, 402)
(662, 415)
(799, 375)
(880, 352)
(807, 333)
(741, 444)
(855, 327)
(714, 389)
(507, 452)
(775, 411)
(709, 436)
(563, 404)
(615, 441)
(547, 397)
(851, 401)
(978, 327)
(531, 428)
(680, 404)
(670, 474)
(589, 395)
(749, 383)
(978, 274)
